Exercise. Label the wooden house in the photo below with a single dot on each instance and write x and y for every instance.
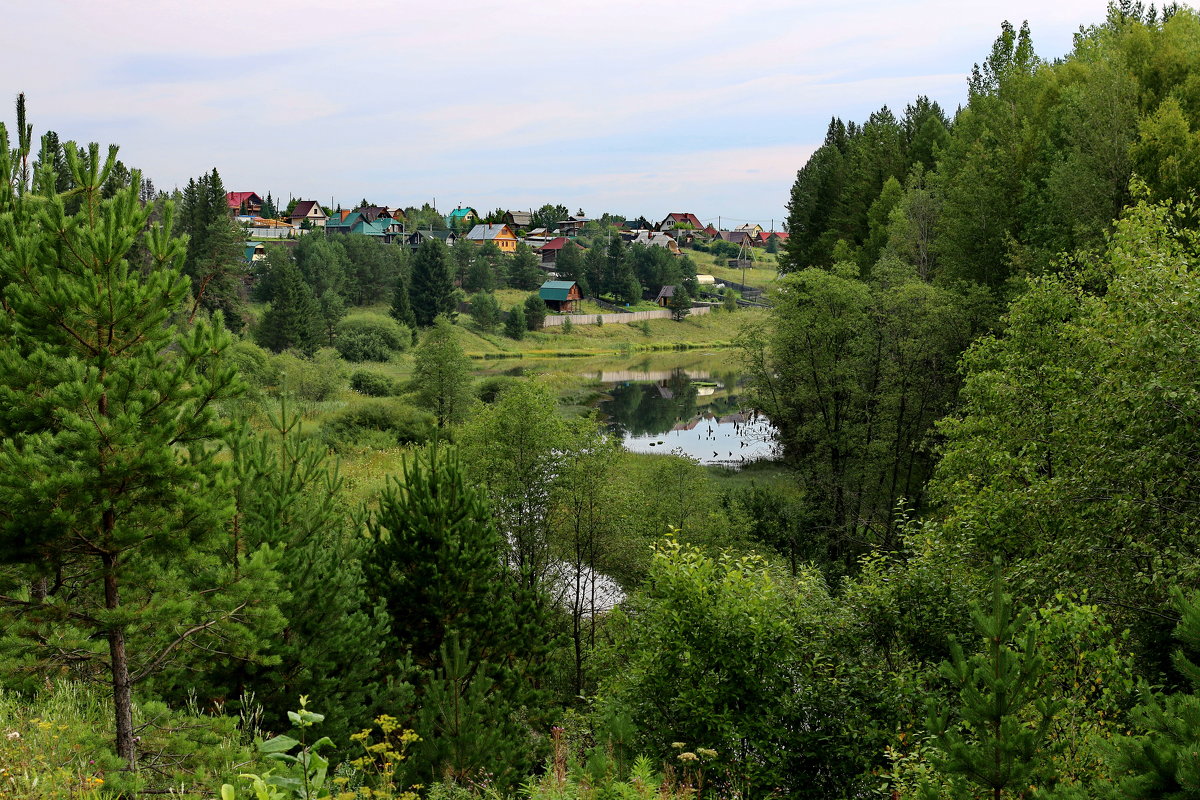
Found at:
(561, 295)
(255, 251)
(664, 295)
(461, 217)
(309, 211)
(550, 250)
(244, 203)
(500, 233)
(416, 238)
(518, 220)
(675, 219)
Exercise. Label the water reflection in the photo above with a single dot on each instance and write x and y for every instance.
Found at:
(695, 412)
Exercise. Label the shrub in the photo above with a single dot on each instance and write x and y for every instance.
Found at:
(535, 312)
(253, 363)
(514, 326)
(485, 311)
(371, 337)
(373, 384)
(566, 326)
(377, 423)
(490, 388)
(316, 379)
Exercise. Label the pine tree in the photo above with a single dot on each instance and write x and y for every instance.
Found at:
(472, 635)
(432, 289)
(485, 310)
(569, 267)
(294, 318)
(680, 303)
(523, 270)
(989, 744)
(333, 310)
(113, 498)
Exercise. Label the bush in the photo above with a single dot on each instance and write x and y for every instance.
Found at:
(566, 326)
(316, 379)
(253, 363)
(514, 326)
(372, 384)
(485, 310)
(535, 312)
(490, 388)
(371, 337)
(377, 423)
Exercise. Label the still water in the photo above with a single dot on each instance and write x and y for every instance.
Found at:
(694, 409)
(693, 403)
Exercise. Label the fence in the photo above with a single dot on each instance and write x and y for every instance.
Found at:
(554, 320)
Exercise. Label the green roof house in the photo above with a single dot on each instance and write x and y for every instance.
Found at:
(461, 218)
(561, 295)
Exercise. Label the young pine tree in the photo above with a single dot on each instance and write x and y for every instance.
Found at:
(402, 310)
(514, 324)
(113, 497)
(987, 741)
(535, 312)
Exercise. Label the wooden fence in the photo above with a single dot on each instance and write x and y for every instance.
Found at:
(554, 320)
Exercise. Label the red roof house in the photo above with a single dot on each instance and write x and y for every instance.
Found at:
(244, 202)
(676, 218)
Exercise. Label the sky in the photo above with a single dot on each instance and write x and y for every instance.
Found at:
(626, 106)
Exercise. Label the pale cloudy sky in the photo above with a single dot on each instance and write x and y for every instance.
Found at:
(628, 106)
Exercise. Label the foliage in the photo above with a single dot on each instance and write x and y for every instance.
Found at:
(485, 311)
(379, 423)
(294, 319)
(442, 374)
(315, 379)
(371, 337)
(514, 323)
(372, 384)
(109, 444)
(214, 261)
(431, 290)
(535, 312)
(680, 303)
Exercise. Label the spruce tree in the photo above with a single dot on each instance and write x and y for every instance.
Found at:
(432, 289)
(535, 312)
(569, 267)
(514, 323)
(113, 499)
(485, 310)
(523, 270)
(214, 261)
(294, 318)
(402, 310)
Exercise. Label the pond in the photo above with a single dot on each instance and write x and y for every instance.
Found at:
(692, 402)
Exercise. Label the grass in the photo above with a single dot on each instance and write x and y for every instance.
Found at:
(762, 275)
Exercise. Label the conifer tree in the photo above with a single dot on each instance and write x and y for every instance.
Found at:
(442, 373)
(294, 318)
(514, 323)
(569, 267)
(432, 289)
(112, 497)
(485, 310)
(523, 270)
(535, 312)
(475, 640)
(214, 258)
(987, 741)
(402, 310)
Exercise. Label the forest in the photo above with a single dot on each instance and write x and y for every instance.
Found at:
(273, 534)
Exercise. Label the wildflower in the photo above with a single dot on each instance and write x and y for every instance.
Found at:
(678, 745)
(12, 735)
(688, 757)
(706, 752)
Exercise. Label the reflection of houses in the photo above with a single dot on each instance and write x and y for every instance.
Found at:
(561, 295)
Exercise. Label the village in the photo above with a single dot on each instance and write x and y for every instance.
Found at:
(547, 238)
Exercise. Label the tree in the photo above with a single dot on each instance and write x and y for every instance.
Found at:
(477, 272)
(333, 309)
(992, 745)
(402, 310)
(442, 373)
(680, 304)
(535, 312)
(432, 289)
(323, 263)
(523, 270)
(569, 266)
(214, 260)
(114, 497)
(485, 310)
(514, 324)
(471, 633)
(294, 318)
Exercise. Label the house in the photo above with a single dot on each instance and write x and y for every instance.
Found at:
(383, 228)
(416, 238)
(255, 251)
(711, 231)
(561, 295)
(572, 225)
(309, 211)
(550, 250)
(664, 295)
(765, 237)
(372, 213)
(749, 228)
(656, 239)
(518, 219)
(461, 217)
(499, 233)
(738, 237)
(678, 218)
(245, 203)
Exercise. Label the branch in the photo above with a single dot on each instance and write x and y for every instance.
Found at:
(180, 640)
